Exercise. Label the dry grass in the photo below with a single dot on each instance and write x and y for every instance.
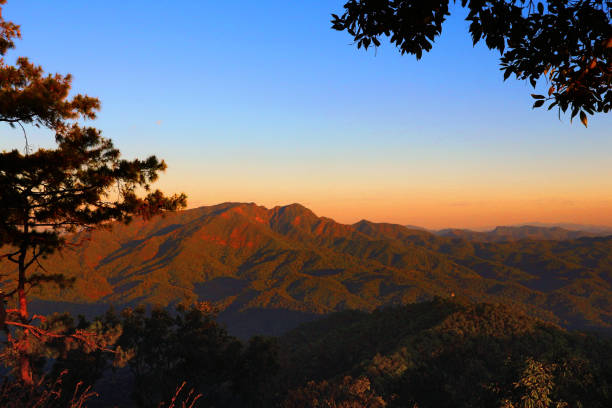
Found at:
(44, 394)
(182, 401)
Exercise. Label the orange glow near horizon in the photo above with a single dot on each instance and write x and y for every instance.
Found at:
(284, 113)
(466, 190)
(442, 212)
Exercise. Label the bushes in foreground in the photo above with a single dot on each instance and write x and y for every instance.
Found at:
(434, 354)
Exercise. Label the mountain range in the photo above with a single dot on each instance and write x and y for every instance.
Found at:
(268, 270)
(517, 233)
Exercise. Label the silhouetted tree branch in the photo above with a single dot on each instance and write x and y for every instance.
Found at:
(566, 42)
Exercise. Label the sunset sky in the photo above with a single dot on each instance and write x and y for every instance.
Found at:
(262, 102)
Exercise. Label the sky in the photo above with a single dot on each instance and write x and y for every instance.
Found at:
(263, 102)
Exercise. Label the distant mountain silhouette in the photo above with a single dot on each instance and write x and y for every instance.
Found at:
(268, 270)
(516, 233)
(601, 230)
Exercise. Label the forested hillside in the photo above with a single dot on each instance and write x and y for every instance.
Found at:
(433, 354)
(267, 270)
(444, 354)
(517, 233)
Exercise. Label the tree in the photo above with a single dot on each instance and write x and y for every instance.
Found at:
(29, 97)
(81, 184)
(566, 42)
(189, 345)
(535, 387)
(345, 393)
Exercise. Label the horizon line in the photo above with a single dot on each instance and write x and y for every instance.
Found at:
(558, 224)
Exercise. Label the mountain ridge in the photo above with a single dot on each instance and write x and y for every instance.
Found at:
(516, 233)
(277, 267)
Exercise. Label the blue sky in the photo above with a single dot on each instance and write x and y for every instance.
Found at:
(262, 101)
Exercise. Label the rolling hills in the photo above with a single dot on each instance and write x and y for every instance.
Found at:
(517, 233)
(267, 270)
(444, 353)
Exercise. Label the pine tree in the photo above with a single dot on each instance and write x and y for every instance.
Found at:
(81, 184)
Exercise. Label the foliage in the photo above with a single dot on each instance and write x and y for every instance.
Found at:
(28, 96)
(268, 270)
(45, 393)
(82, 363)
(347, 393)
(441, 353)
(80, 185)
(566, 42)
(534, 387)
(190, 346)
(446, 353)
(51, 192)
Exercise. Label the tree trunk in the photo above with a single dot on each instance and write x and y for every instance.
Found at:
(25, 369)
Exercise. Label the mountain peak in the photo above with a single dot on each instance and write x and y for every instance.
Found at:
(294, 208)
(246, 257)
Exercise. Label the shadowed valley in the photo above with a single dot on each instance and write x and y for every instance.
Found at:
(267, 270)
